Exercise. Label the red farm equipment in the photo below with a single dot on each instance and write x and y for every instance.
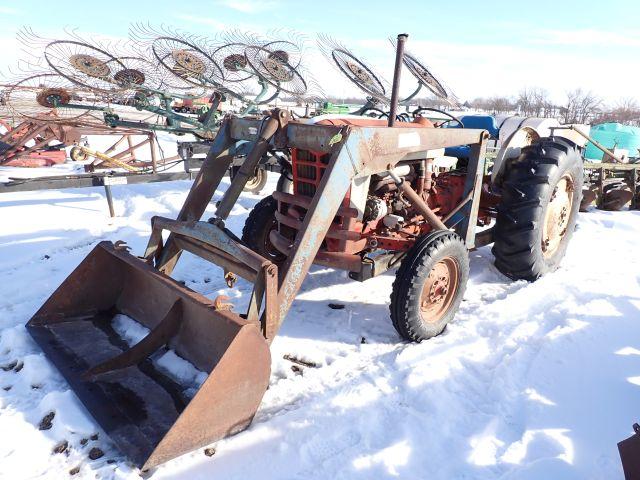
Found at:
(366, 199)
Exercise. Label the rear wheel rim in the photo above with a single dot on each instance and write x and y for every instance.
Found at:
(556, 219)
(439, 290)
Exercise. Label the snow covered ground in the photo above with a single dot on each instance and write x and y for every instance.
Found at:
(531, 381)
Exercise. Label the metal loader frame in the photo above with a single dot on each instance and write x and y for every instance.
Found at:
(355, 152)
(143, 410)
(139, 407)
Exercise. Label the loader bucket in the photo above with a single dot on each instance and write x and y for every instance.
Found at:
(145, 410)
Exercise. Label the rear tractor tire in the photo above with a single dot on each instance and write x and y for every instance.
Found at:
(429, 286)
(541, 194)
(259, 224)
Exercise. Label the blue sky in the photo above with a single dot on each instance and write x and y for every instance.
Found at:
(477, 48)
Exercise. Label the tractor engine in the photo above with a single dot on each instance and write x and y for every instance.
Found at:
(374, 215)
(390, 221)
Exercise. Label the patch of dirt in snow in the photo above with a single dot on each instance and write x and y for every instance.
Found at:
(530, 381)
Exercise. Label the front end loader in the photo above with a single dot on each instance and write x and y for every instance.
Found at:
(367, 197)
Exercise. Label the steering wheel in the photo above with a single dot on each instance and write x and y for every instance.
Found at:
(446, 114)
(380, 113)
(402, 117)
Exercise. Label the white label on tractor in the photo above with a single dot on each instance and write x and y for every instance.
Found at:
(253, 131)
(408, 140)
(114, 180)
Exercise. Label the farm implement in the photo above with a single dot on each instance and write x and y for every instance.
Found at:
(86, 79)
(41, 143)
(366, 198)
(29, 143)
(611, 184)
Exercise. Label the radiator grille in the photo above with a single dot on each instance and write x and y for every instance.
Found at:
(308, 170)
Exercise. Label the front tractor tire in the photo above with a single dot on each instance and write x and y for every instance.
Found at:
(541, 194)
(429, 286)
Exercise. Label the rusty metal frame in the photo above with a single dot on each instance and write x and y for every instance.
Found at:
(217, 245)
(355, 152)
(467, 212)
(40, 132)
(149, 419)
(74, 330)
(609, 170)
(68, 133)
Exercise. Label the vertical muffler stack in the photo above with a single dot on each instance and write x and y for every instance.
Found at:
(146, 412)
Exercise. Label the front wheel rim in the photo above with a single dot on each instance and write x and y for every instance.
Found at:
(270, 251)
(439, 290)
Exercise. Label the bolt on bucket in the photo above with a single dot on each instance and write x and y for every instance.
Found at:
(146, 412)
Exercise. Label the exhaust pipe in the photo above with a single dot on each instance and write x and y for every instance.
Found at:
(397, 71)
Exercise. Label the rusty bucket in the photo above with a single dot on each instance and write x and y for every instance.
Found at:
(145, 411)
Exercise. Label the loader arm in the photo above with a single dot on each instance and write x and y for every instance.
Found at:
(354, 152)
(215, 166)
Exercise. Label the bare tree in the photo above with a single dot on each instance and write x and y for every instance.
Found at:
(480, 103)
(535, 102)
(625, 111)
(494, 104)
(435, 102)
(501, 104)
(527, 99)
(581, 106)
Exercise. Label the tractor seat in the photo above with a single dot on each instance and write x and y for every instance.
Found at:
(480, 122)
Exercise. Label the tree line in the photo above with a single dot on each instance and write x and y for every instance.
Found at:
(579, 106)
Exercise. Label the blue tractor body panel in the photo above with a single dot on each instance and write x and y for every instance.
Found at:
(482, 122)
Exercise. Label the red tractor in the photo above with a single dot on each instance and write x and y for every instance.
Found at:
(381, 223)
(367, 197)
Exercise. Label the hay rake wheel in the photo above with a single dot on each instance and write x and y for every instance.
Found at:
(177, 54)
(234, 61)
(123, 79)
(356, 70)
(245, 57)
(273, 67)
(84, 64)
(137, 78)
(287, 51)
(358, 73)
(424, 76)
(187, 61)
(426, 79)
(109, 69)
(48, 96)
(137, 73)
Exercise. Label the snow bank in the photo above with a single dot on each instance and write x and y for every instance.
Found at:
(530, 381)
